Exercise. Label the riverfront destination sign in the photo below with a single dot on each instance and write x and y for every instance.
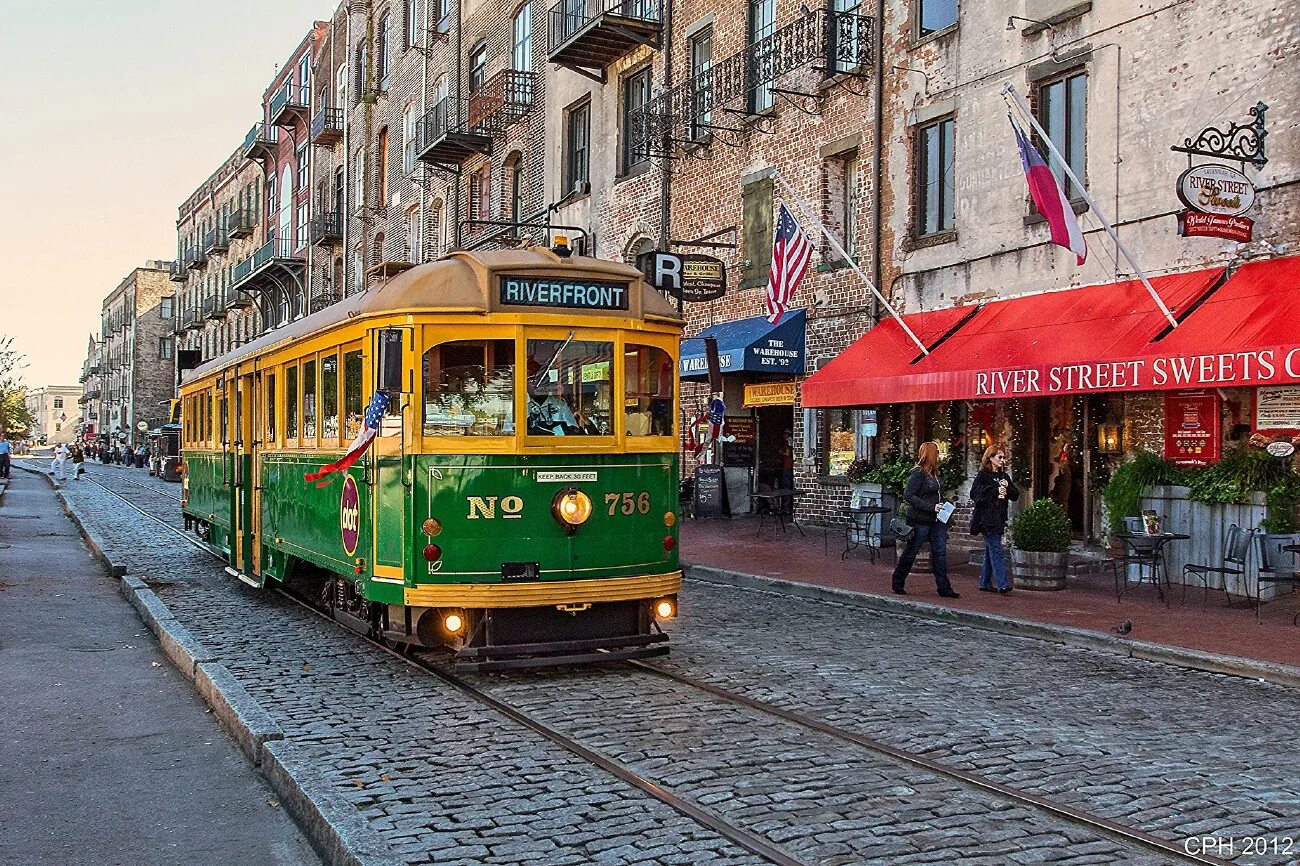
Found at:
(559, 292)
(1274, 366)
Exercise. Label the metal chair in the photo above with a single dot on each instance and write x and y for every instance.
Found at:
(1236, 555)
(1142, 553)
(859, 525)
(1273, 571)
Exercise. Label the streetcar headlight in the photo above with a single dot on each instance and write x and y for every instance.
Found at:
(571, 508)
(665, 608)
(453, 622)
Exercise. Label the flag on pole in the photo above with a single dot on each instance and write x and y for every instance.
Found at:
(1049, 198)
(369, 429)
(791, 253)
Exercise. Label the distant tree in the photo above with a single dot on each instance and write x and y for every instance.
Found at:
(15, 420)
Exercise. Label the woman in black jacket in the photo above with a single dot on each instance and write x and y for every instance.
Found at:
(991, 491)
(924, 501)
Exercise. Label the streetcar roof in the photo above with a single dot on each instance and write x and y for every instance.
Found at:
(460, 282)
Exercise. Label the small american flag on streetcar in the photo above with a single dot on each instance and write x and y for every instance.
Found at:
(369, 429)
(791, 253)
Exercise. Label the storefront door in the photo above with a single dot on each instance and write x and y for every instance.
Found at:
(775, 456)
(1057, 455)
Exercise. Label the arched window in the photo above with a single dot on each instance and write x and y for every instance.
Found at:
(521, 54)
(359, 75)
(381, 168)
(411, 23)
(285, 230)
(514, 172)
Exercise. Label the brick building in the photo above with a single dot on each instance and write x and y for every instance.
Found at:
(90, 400)
(1115, 88)
(137, 353)
(55, 413)
(218, 226)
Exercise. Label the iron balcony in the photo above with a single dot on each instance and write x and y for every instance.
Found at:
(216, 241)
(176, 271)
(240, 223)
(327, 127)
(261, 142)
(588, 35)
(272, 258)
(237, 300)
(323, 300)
(456, 129)
(289, 104)
(325, 229)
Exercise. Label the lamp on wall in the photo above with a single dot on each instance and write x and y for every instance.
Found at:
(1110, 438)
(980, 438)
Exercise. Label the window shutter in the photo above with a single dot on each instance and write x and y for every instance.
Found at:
(756, 214)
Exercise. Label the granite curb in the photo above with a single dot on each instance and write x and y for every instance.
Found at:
(340, 835)
(1284, 675)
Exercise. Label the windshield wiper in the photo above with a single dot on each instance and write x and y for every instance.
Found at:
(547, 369)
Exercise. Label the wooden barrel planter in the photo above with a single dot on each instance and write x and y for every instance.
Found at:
(1038, 570)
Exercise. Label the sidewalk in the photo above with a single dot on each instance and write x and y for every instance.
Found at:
(109, 757)
(1088, 605)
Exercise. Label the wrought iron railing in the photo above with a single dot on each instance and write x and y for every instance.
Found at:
(176, 270)
(289, 95)
(437, 121)
(241, 271)
(236, 299)
(322, 300)
(327, 122)
(832, 42)
(325, 226)
(261, 133)
(274, 249)
(500, 101)
(209, 304)
(569, 17)
(241, 222)
(216, 241)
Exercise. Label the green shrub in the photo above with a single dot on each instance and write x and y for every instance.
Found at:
(891, 474)
(1123, 493)
(1042, 526)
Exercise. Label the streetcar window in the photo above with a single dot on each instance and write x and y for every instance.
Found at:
(648, 391)
(309, 400)
(329, 398)
(352, 407)
(469, 388)
(570, 388)
(291, 403)
(270, 408)
(225, 418)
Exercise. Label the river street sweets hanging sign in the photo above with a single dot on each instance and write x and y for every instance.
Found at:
(1207, 225)
(1226, 369)
(1192, 428)
(1216, 197)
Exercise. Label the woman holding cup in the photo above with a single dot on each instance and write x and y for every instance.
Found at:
(992, 491)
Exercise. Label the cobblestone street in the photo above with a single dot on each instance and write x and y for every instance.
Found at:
(1175, 753)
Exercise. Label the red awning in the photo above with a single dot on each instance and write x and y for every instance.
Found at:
(1089, 340)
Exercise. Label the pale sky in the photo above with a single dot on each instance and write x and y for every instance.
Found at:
(114, 113)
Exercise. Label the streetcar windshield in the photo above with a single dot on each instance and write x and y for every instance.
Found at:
(469, 388)
(570, 388)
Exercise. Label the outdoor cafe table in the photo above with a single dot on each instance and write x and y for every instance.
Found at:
(1154, 548)
(867, 513)
(775, 501)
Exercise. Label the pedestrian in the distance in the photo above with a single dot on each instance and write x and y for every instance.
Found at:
(925, 505)
(60, 465)
(6, 449)
(993, 491)
(78, 460)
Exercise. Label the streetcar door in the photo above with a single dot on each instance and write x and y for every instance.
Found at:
(393, 370)
(243, 451)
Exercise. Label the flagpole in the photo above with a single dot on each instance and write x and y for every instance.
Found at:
(1019, 102)
(808, 217)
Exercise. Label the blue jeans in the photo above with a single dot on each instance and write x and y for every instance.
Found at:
(995, 563)
(937, 535)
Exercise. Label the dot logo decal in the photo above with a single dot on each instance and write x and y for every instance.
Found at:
(350, 515)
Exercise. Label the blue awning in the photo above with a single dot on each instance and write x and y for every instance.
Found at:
(750, 346)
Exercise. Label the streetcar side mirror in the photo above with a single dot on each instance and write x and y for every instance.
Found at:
(388, 368)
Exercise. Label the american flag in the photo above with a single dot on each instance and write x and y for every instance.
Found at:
(369, 429)
(791, 253)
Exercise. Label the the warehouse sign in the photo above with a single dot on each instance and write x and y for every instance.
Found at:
(552, 292)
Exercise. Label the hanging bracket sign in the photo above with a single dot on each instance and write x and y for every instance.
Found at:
(1216, 197)
(689, 276)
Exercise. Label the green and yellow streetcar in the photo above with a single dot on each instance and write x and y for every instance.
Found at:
(515, 497)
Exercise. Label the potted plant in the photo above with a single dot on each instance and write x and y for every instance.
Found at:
(1041, 538)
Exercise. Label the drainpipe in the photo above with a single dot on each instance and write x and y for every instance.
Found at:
(877, 151)
(455, 211)
(665, 174)
(424, 87)
(345, 100)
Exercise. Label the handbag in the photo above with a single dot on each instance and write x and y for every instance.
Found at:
(901, 528)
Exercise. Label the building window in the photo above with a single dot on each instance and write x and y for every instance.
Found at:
(362, 71)
(408, 139)
(411, 23)
(164, 348)
(701, 91)
(762, 23)
(413, 236)
(165, 308)
(934, 178)
(934, 15)
(304, 77)
(477, 67)
(577, 146)
(636, 95)
(382, 53)
(358, 271)
(301, 228)
(58, 402)
(843, 438)
(842, 176)
(381, 168)
(515, 169)
(1062, 111)
(521, 54)
(476, 196)
(300, 177)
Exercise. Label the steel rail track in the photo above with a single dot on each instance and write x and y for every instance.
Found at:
(134, 483)
(739, 836)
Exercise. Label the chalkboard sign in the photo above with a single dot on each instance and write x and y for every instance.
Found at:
(709, 500)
